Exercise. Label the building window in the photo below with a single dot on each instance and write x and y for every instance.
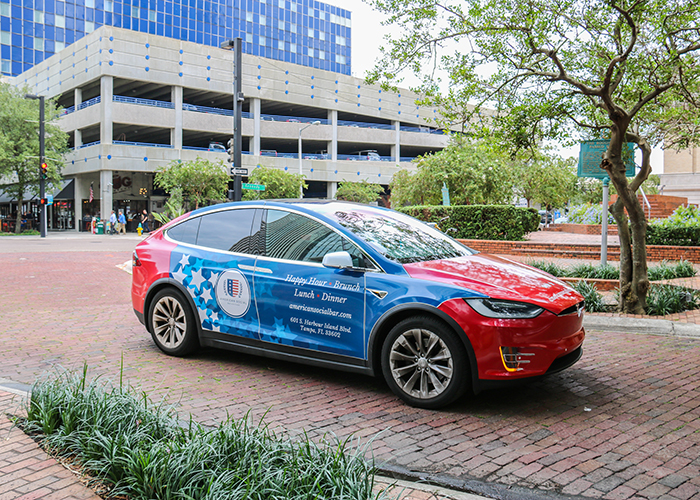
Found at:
(90, 4)
(59, 46)
(38, 16)
(310, 32)
(263, 40)
(293, 48)
(321, 36)
(341, 40)
(39, 44)
(60, 21)
(4, 9)
(263, 20)
(109, 5)
(134, 11)
(152, 15)
(89, 26)
(340, 59)
(249, 17)
(322, 55)
(5, 37)
(6, 66)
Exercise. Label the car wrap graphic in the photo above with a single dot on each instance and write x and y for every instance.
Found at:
(199, 272)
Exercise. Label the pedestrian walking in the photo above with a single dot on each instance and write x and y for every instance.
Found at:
(112, 223)
(121, 221)
(144, 221)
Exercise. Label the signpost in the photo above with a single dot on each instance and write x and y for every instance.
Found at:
(589, 160)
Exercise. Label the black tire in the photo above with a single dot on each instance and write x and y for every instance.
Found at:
(172, 324)
(424, 363)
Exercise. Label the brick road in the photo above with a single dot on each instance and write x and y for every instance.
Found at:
(622, 423)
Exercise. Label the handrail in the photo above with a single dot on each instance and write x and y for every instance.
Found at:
(90, 102)
(143, 102)
(646, 202)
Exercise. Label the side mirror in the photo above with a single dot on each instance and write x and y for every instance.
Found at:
(337, 260)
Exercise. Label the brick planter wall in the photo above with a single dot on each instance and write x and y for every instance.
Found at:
(581, 228)
(536, 250)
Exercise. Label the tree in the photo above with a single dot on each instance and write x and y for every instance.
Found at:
(546, 179)
(360, 192)
(198, 180)
(279, 184)
(19, 146)
(622, 70)
(475, 172)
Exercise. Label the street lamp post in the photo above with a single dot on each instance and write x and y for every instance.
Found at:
(301, 184)
(238, 98)
(42, 184)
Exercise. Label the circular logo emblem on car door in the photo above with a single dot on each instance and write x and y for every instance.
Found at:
(233, 293)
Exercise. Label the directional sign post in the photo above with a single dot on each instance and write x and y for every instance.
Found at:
(239, 171)
(253, 187)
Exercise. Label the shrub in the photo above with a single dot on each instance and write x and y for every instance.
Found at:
(588, 214)
(592, 298)
(548, 267)
(480, 222)
(681, 228)
(143, 451)
(668, 299)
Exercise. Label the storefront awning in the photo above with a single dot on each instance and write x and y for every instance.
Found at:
(68, 191)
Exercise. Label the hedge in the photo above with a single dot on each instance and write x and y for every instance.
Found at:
(676, 236)
(479, 222)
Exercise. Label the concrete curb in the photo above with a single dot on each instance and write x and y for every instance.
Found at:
(641, 325)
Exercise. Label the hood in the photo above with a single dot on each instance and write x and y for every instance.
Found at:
(499, 278)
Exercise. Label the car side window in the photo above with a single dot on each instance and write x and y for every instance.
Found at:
(185, 232)
(293, 236)
(227, 230)
(358, 258)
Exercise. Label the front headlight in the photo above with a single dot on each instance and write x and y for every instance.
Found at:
(495, 308)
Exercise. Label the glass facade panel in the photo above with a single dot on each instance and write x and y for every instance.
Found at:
(264, 25)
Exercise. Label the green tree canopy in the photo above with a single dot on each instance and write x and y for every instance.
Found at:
(278, 184)
(623, 70)
(19, 146)
(475, 172)
(360, 192)
(198, 180)
(546, 179)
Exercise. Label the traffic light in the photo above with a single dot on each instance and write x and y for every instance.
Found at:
(44, 170)
(230, 144)
(42, 201)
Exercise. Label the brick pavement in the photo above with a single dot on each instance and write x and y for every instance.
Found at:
(622, 423)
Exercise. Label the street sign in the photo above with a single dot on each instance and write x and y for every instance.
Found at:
(49, 199)
(254, 187)
(239, 171)
(591, 155)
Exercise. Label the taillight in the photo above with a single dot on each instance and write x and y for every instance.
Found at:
(135, 262)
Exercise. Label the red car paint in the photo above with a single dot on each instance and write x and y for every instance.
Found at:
(548, 335)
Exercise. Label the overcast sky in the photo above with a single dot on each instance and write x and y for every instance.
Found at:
(367, 37)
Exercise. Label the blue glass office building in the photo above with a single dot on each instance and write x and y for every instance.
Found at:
(303, 32)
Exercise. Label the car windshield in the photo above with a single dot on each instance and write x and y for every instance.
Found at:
(399, 237)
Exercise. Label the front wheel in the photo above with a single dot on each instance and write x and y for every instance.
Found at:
(171, 323)
(424, 363)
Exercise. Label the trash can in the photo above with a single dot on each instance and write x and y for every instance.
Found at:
(100, 227)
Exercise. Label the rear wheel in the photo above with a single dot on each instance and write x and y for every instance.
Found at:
(424, 363)
(171, 323)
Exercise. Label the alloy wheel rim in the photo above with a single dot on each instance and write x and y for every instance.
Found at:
(169, 322)
(421, 363)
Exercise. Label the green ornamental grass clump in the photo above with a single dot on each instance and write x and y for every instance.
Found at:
(143, 450)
